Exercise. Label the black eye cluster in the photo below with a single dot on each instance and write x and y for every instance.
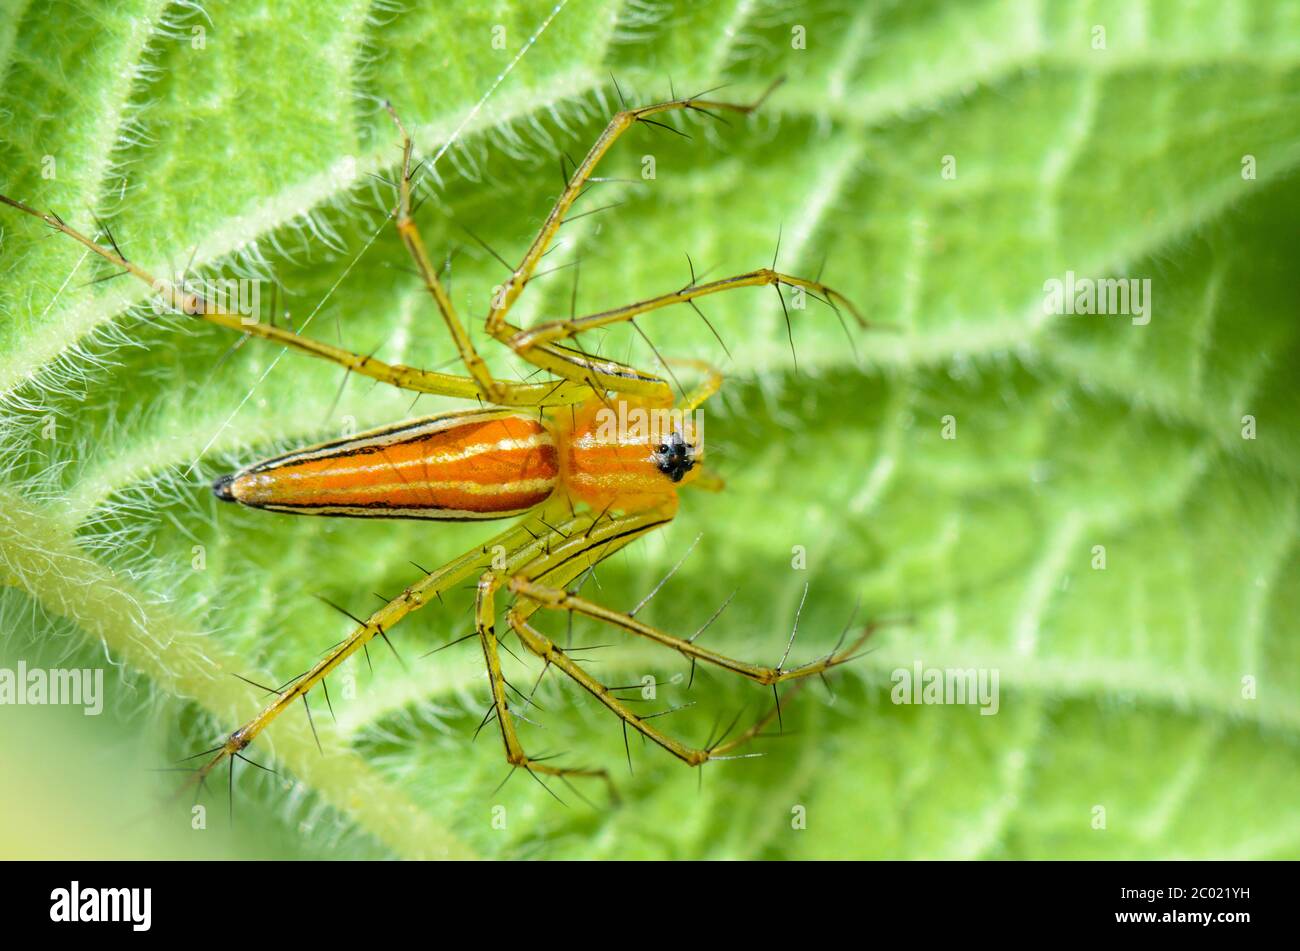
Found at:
(675, 457)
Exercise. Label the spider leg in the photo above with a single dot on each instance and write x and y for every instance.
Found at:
(502, 392)
(580, 373)
(177, 299)
(571, 551)
(540, 345)
(540, 585)
(557, 599)
(485, 611)
(545, 648)
(522, 542)
(710, 382)
(618, 124)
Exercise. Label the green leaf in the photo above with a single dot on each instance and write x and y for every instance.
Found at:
(1161, 691)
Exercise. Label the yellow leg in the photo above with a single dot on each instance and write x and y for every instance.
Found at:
(540, 585)
(545, 648)
(558, 599)
(524, 543)
(620, 123)
(502, 392)
(710, 383)
(540, 345)
(485, 618)
(571, 549)
(180, 300)
(554, 330)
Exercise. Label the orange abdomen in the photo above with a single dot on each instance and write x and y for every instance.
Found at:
(456, 467)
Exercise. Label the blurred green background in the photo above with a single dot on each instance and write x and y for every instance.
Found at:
(1163, 689)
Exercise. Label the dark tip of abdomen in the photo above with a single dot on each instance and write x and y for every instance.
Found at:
(221, 488)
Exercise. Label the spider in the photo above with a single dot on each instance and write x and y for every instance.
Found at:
(559, 456)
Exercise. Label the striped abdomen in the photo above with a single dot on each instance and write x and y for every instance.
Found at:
(456, 467)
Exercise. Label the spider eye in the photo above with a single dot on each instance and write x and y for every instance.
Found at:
(663, 447)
